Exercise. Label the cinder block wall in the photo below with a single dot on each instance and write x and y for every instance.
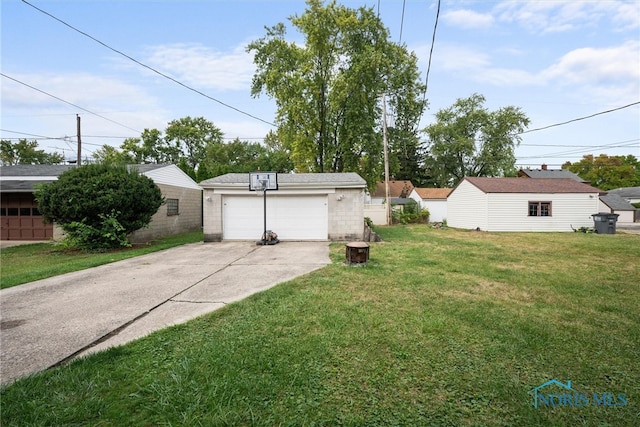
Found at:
(212, 211)
(346, 215)
(189, 216)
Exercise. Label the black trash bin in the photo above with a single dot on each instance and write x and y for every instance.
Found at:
(605, 222)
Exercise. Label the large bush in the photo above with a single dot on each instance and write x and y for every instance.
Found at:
(99, 205)
(410, 213)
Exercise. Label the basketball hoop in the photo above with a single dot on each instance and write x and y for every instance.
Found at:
(261, 182)
(261, 186)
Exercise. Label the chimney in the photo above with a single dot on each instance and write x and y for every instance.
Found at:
(544, 167)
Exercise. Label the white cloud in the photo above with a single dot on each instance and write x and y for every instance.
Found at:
(468, 19)
(610, 73)
(86, 90)
(598, 65)
(478, 67)
(124, 108)
(452, 57)
(204, 67)
(543, 17)
(625, 16)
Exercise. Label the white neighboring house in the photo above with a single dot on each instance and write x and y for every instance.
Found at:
(612, 203)
(433, 199)
(306, 206)
(517, 204)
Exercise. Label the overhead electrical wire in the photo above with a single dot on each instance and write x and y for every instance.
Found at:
(147, 66)
(576, 146)
(580, 118)
(67, 102)
(31, 134)
(581, 150)
(402, 21)
(433, 42)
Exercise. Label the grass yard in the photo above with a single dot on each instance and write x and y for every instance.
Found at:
(441, 328)
(26, 263)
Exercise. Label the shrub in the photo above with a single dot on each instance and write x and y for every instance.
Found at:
(368, 221)
(99, 205)
(111, 234)
(410, 213)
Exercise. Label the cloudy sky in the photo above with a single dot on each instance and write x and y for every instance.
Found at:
(557, 60)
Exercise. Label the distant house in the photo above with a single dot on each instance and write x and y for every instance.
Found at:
(612, 203)
(21, 219)
(516, 204)
(544, 172)
(433, 199)
(398, 189)
(630, 194)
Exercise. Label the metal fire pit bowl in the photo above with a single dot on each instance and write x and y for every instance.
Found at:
(357, 253)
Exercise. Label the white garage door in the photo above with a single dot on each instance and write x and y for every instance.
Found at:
(290, 217)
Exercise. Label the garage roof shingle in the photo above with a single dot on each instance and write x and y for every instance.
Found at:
(433, 193)
(616, 203)
(531, 185)
(23, 178)
(294, 179)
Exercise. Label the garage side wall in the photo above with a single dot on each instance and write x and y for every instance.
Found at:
(509, 211)
(189, 217)
(212, 212)
(467, 207)
(346, 214)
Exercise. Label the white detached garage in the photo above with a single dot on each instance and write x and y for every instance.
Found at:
(522, 204)
(322, 206)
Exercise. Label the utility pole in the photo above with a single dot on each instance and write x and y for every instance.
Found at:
(79, 160)
(386, 158)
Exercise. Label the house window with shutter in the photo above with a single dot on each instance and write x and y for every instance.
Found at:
(539, 208)
(172, 207)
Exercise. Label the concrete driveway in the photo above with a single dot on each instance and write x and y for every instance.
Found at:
(48, 322)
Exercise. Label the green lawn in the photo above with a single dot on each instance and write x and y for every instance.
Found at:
(26, 263)
(442, 327)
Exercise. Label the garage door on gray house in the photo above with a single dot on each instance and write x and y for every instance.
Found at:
(20, 218)
(305, 207)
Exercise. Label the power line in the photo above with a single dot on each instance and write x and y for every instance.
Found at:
(580, 118)
(615, 145)
(31, 134)
(402, 21)
(433, 42)
(147, 66)
(66, 102)
(575, 146)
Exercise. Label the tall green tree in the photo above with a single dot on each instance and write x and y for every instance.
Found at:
(469, 140)
(197, 146)
(328, 90)
(150, 147)
(26, 152)
(242, 156)
(108, 154)
(186, 141)
(607, 172)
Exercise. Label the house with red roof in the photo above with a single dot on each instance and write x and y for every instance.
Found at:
(434, 200)
(398, 189)
(517, 204)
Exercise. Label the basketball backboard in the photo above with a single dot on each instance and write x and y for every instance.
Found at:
(263, 181)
